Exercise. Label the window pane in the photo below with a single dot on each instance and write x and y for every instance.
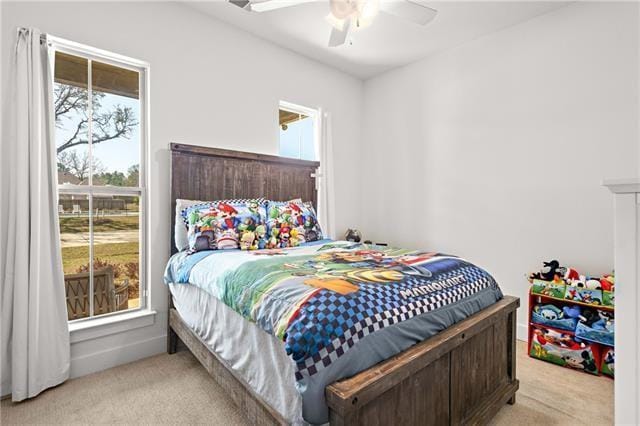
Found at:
(307, 139)
(297, 135)
(116, 125)
(289, 141)
(73, 212)
(70, 107)
(116, 238)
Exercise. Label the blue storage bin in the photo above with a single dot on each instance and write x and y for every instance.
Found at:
(568, 324)
(605, 337)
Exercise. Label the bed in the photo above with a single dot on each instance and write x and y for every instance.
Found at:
(463, 371)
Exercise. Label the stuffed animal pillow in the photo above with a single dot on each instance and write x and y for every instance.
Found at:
(226, 224)
(291, 223)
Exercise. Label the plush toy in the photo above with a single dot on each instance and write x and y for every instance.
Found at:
(589, 317)
(607, 282)
(293, 240)
(273, 240)
(247, 241)
(549, 272)
(578, 282)
(261, 234)
(593, 283)
(285, 235)
(227, 240)
(352, 235)
(571, 274)
(571, 311)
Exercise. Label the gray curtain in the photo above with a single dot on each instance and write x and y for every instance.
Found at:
(35, 335)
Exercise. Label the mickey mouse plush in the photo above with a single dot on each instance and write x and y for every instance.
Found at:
(549, 271)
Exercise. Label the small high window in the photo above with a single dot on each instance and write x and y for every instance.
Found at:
(298, 135)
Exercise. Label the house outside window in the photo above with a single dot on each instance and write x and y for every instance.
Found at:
(298, 132)
(100, 106)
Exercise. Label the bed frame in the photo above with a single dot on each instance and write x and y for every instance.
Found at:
(462, 375)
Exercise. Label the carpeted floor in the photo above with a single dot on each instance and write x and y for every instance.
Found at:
(172, 389)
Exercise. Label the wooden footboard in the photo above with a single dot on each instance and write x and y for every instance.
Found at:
(463, 375)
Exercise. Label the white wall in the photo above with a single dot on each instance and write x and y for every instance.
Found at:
(495, 150)
(211, 84)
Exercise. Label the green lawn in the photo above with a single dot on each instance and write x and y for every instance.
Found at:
(75, 257)
(79, 224)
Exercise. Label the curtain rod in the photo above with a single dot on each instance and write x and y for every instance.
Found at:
(43, 36)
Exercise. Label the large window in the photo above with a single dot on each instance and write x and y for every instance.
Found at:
(100, 114)
(297, 132)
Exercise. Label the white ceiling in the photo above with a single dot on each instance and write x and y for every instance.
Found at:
(389, 42)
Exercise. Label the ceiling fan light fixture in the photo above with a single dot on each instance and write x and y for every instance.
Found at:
(336, 23)
(367, 12)
(343, 9)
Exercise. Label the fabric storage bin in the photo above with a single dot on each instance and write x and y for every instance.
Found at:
(608, 298)
(607, 366)
(564, 350)
(548, 288)
(604, 336)
(538, 317)
(583, 295)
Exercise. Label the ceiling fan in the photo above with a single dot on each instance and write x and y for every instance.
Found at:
(348, 15)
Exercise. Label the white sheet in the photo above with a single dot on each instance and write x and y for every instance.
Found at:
(259, 358)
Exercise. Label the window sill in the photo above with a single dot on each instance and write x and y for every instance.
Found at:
(99, 327)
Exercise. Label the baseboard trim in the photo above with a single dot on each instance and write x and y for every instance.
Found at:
(113, 357)
(99, 361)
(522, 332)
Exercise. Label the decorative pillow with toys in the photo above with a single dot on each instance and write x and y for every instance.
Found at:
(227, 224)
(291, 223)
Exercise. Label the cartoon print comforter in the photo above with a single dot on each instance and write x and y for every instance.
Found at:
(339, 307)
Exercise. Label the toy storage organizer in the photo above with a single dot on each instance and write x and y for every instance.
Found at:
(560, 332)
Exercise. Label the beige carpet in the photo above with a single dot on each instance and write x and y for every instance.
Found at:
(173, 389)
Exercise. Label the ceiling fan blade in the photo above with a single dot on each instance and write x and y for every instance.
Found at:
(240, 3)
(409, 10)
(339, 37)
(267, 5)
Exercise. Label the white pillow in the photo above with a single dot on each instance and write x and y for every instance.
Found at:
(180, 229)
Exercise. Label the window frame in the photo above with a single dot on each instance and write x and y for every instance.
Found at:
(141, 191)
(313, 113)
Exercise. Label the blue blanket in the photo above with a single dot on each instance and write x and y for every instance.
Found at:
(340, 307)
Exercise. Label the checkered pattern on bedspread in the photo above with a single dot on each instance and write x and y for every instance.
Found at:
(329, 324)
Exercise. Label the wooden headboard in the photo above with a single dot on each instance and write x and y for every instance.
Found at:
(201, 173)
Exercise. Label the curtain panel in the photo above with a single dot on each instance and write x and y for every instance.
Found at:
(326, 203)
(35, 336)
